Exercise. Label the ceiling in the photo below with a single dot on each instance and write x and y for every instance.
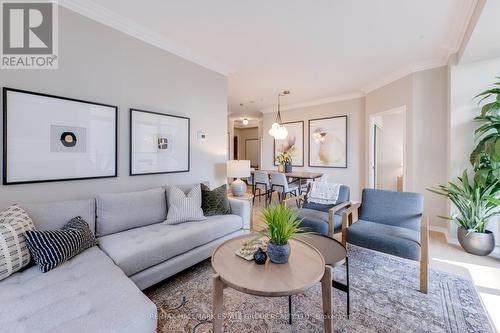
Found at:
(316, 49)
(484, 42)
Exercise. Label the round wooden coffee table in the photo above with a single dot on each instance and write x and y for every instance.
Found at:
(305, 268)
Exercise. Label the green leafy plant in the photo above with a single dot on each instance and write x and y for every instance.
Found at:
(282, 224)
(285, 157)
(476, 204)
(485, 158)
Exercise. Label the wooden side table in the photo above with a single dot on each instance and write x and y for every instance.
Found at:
(246, 197)
(305, 268)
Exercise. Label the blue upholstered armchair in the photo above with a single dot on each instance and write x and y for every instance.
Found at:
(322, 218)
(390, 222)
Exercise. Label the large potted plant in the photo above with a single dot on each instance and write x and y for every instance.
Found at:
(284, 160)
(477, 200)
(476, 205)
(282, 225)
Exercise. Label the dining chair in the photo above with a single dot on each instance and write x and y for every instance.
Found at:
(280, 185)
(261, 183)
(390, 222)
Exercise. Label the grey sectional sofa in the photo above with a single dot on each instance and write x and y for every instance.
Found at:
(99, 290)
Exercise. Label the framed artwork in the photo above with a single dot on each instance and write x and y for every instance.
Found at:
(159, 143)
(50, 138)
(293, 144)
(328, 142)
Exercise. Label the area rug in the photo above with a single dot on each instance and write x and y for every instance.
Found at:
(384, 298)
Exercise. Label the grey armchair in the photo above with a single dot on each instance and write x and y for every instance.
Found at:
(320, 218)
(390, 222)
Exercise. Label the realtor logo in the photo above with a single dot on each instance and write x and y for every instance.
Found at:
(29, 35)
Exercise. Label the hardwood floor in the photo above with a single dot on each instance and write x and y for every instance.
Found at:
(484, 272)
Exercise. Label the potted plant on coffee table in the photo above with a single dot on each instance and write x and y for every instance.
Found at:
(282, 225)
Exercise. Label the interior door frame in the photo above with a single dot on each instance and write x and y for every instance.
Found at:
(371, 145)
(375, 141)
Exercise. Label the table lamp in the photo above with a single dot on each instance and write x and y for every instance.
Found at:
(238, 169)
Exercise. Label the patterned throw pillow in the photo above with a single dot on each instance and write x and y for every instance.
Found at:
(53, 247)
(182, 207)
(14, 253)
(214, 202)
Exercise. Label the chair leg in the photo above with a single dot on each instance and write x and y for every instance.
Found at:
(290, 310)
(424, 256)
(348, 287)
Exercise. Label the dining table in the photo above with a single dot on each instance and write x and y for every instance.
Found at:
(298, 176)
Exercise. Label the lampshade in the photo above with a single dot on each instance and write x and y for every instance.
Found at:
(238, 169)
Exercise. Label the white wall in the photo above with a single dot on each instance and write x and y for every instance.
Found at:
(430, 139)
(97, 63)
(354, 109)
(466, 81)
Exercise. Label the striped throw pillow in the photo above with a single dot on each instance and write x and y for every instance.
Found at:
(53, 247)
(182, 207)
(14, 253)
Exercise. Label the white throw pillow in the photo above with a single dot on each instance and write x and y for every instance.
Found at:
(14, 253)
(182, 207)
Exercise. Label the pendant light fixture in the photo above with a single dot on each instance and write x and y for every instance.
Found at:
(278, 131)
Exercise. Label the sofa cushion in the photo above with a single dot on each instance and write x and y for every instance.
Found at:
(14, 253)
(184, 207)
(122, 211)
(214, 202)
(54, 215)
(401, 242)
(317, 221)
(85, 294)
(138, 249)
(50, 248)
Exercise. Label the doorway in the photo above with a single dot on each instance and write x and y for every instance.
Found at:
(388, 150)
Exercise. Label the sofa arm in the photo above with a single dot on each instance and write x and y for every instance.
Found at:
(243, 209)
(331, 216)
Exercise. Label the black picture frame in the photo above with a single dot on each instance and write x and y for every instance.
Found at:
(346, 143)
(5, 154)
(303, 145)
(131, 111)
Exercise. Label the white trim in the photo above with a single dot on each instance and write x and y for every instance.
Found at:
(320, 101)
(98, 13)
(394, 76)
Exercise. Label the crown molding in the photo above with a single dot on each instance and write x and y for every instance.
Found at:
(320, 101)
(405, 71)
(98, 13)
